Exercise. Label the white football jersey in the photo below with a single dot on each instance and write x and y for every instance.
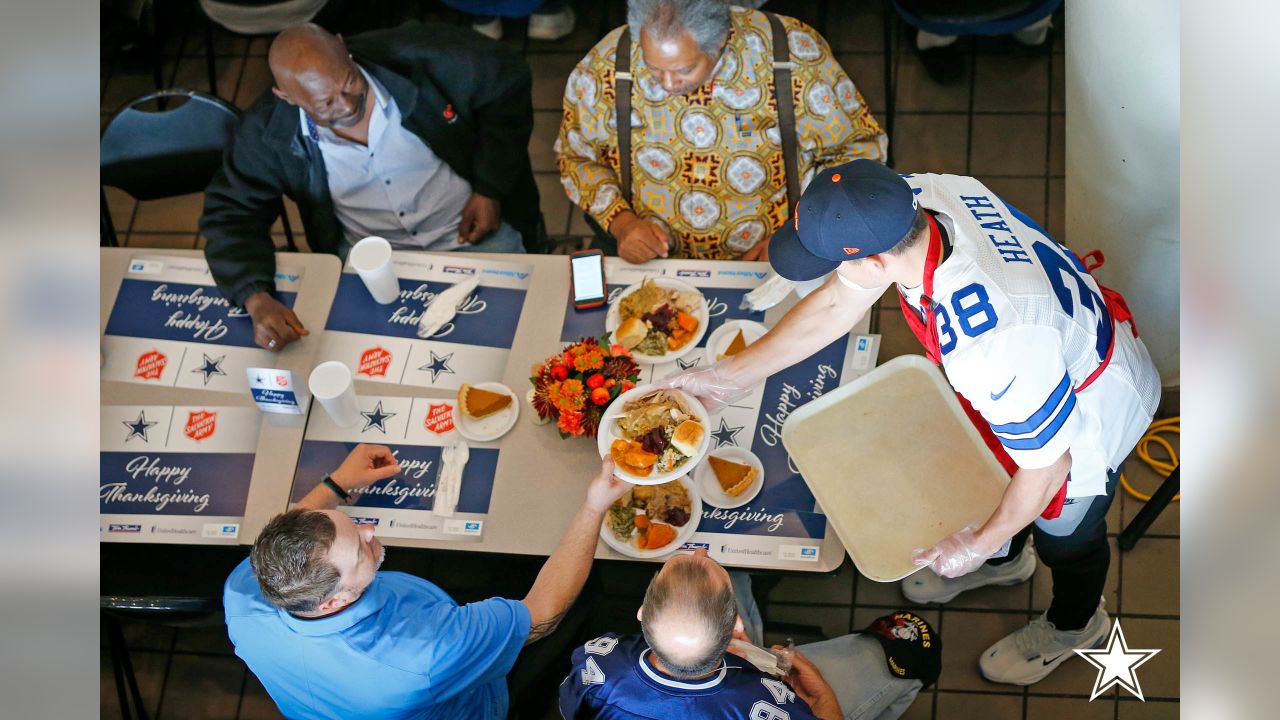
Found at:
(1021, 323)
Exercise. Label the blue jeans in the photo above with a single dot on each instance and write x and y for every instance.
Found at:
(853, 665)
(503, 240)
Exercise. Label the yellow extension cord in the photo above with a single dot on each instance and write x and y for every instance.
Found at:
(1163, 466)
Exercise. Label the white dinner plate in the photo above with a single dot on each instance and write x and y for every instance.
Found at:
(609, 432)
(709, 487)
(613, 319)
(682, 533)
(723, 335)
(489, 427)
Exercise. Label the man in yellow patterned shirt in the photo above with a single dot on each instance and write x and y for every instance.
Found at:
(707, 169)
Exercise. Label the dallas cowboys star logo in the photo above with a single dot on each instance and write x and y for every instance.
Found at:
(1116, 664)
(438, 365)
(686, 365)
(210, 367)
(138, 428)
(377, 418)
(726, 434)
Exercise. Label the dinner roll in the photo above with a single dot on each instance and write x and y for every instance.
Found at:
(688, 436)
(631, 332)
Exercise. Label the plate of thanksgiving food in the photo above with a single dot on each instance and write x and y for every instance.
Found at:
(485, 411)
(732, 337)
(653, 520)
(653, 435)
(658, 320)
(730, 477)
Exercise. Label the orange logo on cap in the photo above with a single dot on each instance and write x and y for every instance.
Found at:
(835, 177)
(795, 217)
(851, 251)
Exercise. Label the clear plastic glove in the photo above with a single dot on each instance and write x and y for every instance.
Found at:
(711, 385)
(955, 555)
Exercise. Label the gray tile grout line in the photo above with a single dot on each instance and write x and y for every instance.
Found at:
(1051, 695)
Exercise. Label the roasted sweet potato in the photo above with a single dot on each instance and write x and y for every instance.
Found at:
(659, 535)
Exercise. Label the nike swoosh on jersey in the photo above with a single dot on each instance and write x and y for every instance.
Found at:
(997, 396)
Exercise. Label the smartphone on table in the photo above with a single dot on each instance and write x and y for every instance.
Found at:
(586, 279)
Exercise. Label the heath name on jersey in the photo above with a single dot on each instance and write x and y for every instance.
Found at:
(1021, 324)
(613, 678)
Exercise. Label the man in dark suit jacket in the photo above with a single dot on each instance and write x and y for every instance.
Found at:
(418, 134)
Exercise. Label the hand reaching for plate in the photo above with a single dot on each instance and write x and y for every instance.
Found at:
(605, 488)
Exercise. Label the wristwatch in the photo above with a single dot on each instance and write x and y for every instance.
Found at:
(336, 488)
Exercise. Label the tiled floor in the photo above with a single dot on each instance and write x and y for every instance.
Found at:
(1003, 122)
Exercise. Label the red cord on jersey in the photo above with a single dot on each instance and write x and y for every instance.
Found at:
(926, 331)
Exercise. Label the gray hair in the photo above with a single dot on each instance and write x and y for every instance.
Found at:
(685, 593)
(290, 560)
(706, 20)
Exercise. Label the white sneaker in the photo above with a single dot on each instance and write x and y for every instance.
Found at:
(928, 587)
(491, 29)
(1028, 655)
(552, 26)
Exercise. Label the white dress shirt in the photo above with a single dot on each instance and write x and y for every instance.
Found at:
(395, 187)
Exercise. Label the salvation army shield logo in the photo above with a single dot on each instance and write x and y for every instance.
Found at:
(374, 362)
(150, 365)
(439, 418)
(200, 424)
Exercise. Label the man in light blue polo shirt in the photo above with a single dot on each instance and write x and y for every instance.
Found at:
(330, 636)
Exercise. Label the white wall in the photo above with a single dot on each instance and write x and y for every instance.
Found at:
(1122, 157)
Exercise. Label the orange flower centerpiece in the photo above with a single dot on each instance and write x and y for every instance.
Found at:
(573, 387)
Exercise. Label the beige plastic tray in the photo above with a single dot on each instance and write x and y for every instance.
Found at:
(894, 463)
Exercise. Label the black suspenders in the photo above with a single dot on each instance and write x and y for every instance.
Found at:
(782, 67)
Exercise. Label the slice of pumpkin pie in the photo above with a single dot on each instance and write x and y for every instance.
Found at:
(733, 477)
(478, 403)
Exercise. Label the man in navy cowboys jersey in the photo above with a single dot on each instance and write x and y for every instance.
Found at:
(682, 665)
(1045, 361)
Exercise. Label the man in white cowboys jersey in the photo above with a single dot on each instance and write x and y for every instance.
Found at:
(1046, 362)
(681, 666)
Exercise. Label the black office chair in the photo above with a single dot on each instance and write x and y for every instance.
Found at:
(171, 611)
(174, 151)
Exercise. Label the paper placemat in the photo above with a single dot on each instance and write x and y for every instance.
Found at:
(175, 474)
(416, 430)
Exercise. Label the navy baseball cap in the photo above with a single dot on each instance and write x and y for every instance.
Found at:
(848, 212)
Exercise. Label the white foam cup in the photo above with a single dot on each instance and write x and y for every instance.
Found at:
(331, 384)
(371, 258)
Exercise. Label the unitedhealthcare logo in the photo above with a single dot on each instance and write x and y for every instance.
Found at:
(472, 525)
(693, 273)
(137, 267)
(291, 277)
(506, 273)
(743, 273)
(364, 520)
(124, 528)
(457, 270)
(808, 552)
